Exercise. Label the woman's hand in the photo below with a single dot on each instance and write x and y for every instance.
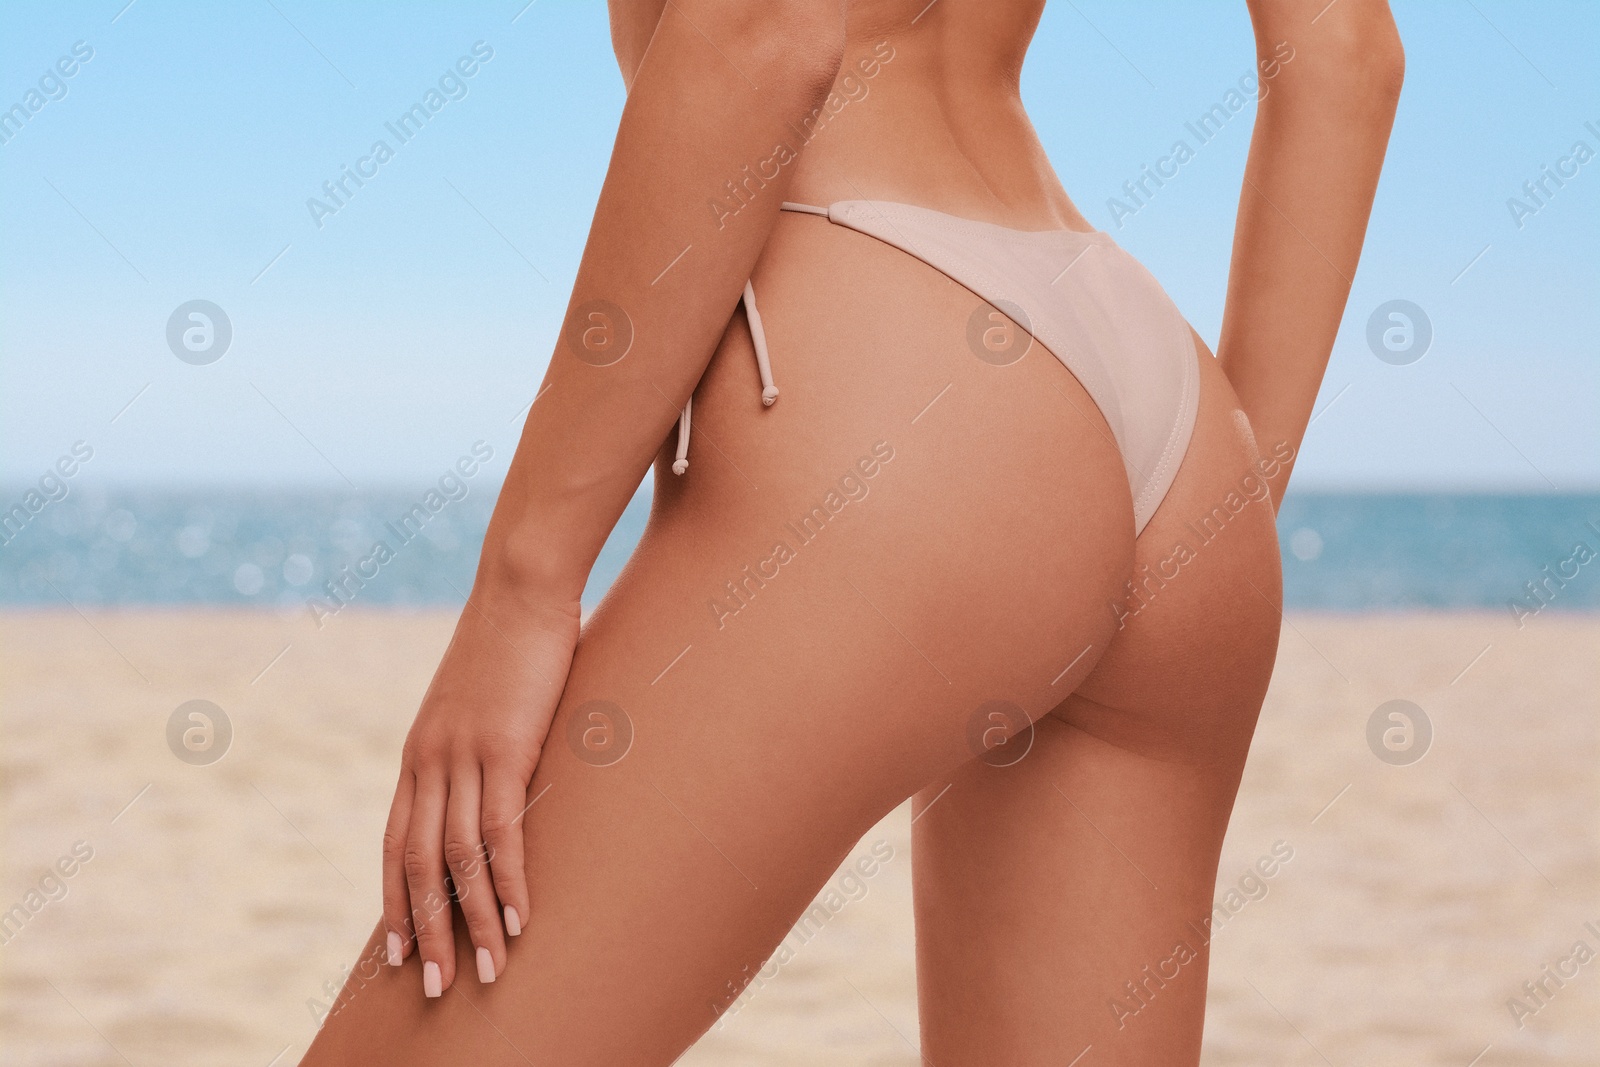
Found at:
(464, 776)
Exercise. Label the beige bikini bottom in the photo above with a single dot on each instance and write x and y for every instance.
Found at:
(1078, 293)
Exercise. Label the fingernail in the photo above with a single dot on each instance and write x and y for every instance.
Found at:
(394, 949)
(513, 921)
(431, 986)
(485, 966)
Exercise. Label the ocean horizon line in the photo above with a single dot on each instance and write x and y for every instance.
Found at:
(323, 550)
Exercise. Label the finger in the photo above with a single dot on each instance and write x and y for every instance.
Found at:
(425, 879)
(469, 870)
(396, 898)
(504, 803)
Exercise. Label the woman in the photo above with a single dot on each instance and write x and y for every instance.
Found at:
(961, 510)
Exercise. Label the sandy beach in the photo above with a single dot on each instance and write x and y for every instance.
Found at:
(207, 904)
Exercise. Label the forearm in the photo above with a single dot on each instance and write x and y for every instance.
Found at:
(1315, 155)
(698, 113)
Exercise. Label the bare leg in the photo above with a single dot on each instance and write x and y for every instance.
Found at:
(1064, 902)
(972, 564)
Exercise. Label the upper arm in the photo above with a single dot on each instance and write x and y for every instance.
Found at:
(1356, 39)
(795, 27)
(633, 23)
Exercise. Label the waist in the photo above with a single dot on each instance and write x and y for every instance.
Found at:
(897, 125)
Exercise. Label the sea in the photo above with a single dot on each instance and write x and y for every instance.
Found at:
(281, 549)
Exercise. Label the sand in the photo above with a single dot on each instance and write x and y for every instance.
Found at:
(207, 904)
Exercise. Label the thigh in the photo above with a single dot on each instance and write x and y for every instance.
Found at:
(1063, 902)
(799, 642)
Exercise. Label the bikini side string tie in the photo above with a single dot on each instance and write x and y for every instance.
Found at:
(758, 337)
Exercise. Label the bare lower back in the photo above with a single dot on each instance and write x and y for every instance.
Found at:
(925, 110)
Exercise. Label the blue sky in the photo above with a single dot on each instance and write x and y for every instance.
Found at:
(419, 317)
